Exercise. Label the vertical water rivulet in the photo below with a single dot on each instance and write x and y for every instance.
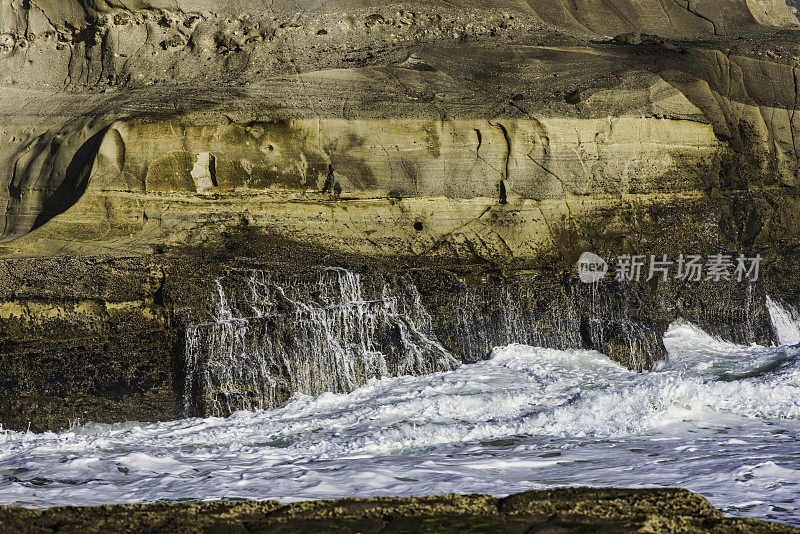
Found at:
(785, 321)
(274, 335)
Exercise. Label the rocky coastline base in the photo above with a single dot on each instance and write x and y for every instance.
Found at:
(563, 510)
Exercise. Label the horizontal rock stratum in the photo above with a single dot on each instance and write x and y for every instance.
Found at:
(469, 150)
(497, 133)
(562, 510)
(354, 158)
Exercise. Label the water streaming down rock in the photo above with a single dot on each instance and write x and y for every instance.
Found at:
(276, 334)
(489, 316)
(277, 331)
(471, 320)
(785, 321)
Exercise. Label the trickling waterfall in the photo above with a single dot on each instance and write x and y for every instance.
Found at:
(785, 322)
(274, 335)
(473, 319)
(477, 319)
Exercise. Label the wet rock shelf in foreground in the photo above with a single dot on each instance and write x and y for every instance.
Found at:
(554, 511)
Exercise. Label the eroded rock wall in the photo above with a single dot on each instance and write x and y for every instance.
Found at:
(477, 149)
(78, 43)
(398, 160)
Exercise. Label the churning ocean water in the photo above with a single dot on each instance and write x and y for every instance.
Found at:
(720, 419)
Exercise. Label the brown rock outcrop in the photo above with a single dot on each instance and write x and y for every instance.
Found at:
(563, 510)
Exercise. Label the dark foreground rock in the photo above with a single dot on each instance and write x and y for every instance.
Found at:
(551, 511)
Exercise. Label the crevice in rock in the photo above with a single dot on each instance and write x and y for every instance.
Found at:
(329, 180)
(212, 169)
(688, 8)
(507, 138)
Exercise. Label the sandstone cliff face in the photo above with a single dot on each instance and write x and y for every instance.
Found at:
(359, 159)
(379, 180)
(419, 116)
(496, 141)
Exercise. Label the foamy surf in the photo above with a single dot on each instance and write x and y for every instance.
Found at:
(717, 418)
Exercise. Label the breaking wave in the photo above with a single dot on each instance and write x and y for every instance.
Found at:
(718, 418)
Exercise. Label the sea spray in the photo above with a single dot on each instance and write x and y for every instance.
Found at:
(785, 321)
(718, 418)
(276, 333)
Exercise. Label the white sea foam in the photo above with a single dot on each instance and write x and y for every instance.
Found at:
(718, 418)
(785, 322)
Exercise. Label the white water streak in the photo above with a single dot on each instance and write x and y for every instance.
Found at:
(327, 338)
(785, 322)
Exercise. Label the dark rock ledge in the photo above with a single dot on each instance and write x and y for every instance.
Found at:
(550, 511)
